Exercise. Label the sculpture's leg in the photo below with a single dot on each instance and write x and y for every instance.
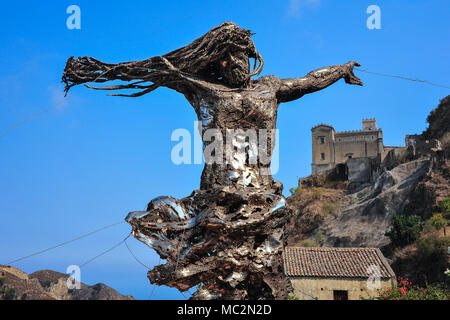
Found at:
(229, 244)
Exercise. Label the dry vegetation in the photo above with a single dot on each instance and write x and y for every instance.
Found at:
(313, 200)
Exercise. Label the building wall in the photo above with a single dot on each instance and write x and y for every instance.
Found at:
(322, 288)
(344, 149)
(358, 144)
(359, 169)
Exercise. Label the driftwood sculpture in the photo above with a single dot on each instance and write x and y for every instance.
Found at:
(227, 237)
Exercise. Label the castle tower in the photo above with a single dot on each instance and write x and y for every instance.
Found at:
(323, 155)
(369, 124)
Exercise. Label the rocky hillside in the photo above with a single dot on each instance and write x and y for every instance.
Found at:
(410, 200)
(49, 285)
(332, 217)
(365, 215)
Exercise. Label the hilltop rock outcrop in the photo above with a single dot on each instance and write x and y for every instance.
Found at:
(50, 285)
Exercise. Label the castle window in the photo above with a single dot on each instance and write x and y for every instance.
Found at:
(322, 140)
(322, 156)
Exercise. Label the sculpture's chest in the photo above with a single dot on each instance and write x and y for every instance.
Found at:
(255, 109)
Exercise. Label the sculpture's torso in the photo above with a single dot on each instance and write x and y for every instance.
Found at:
(254, 112)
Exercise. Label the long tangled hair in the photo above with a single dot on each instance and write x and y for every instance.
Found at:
(200, 59)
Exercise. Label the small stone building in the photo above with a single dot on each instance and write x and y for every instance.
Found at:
(337, 273)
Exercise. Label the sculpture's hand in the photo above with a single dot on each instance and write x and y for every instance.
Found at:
(294, 88)
(350, 77)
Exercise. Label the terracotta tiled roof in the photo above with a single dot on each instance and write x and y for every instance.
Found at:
(334, 262)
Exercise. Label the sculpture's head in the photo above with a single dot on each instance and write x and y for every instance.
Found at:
(234, 69)
(222, 54)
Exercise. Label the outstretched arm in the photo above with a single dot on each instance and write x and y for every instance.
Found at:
(294, 88)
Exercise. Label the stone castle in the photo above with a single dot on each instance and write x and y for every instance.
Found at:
(360, 155)
(355, 153)
(330, 148)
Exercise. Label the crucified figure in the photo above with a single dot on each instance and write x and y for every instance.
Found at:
(226, 238)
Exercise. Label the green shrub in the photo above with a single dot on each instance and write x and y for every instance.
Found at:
(319, 236)
(405, 230)
(9, 294)
(307, 243)
(445, 207)
(432, 248)
(2, 281)
(317, 193)
(297, 190)
(438, 222)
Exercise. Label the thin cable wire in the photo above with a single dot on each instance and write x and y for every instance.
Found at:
(18, 124)
(64, 243)
(135, 258)
(41, 112)
(144, 265)
(403, 78)
(154, 286)
(104, 252)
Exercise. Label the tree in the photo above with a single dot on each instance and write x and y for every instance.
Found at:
(405, 230)
(438, 222)
(445, 207)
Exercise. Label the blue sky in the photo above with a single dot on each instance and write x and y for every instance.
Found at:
(92, 159)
